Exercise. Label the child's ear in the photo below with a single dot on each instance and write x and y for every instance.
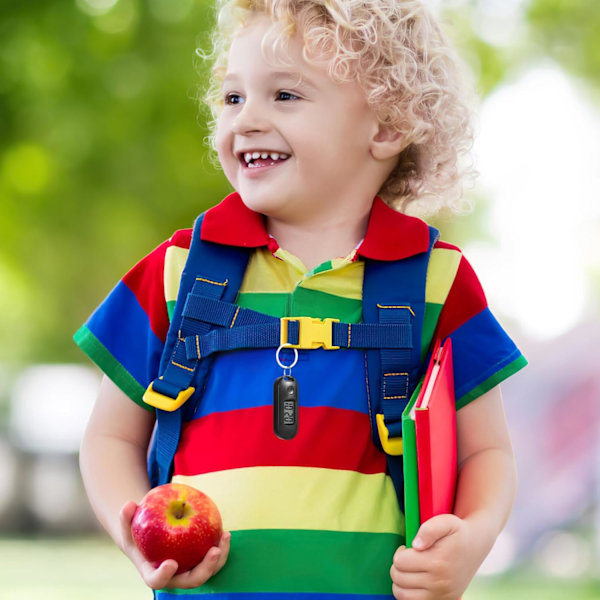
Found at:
(386, 142)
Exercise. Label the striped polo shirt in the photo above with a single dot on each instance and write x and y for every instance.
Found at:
(315, 516)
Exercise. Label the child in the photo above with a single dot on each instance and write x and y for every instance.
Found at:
(320, 107)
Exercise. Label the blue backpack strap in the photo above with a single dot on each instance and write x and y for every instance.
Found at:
(214, 271)
(394, 293)
(209, 285)
(242, 328)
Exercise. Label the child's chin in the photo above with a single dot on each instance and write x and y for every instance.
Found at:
(263, 203)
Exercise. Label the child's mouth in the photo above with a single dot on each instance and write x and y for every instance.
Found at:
(255, 160)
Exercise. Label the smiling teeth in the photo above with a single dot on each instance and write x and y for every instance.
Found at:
(250, 156)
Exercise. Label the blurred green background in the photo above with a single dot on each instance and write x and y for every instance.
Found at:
(102, 151)
(103, 156)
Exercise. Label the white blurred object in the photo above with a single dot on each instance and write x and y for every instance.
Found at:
(563, 554)
(54, 493)
(538, 154)
(50, 407)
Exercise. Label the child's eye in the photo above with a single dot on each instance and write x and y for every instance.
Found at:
(285, 96)
(233, 98)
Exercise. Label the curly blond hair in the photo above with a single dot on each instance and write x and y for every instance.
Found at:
(411, 76)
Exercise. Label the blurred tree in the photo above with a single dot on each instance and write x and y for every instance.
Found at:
(567, 30)
(102, 151)
(101, 154)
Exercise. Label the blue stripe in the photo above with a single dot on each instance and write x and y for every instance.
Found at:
(120, 323)
(333, 378)
(480, 348)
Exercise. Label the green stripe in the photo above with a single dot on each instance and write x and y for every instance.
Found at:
(492, 381)
(274, 304)
(303, 302)
(90, 344)
(170, 308)
(326, 266)
(325, 562)
(430, 321)
(313, 303)
(412, 518)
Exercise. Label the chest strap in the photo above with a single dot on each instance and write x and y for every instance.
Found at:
(240, 328)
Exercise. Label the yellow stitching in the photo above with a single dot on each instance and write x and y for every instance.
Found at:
(213, 282)
(407, 307)
(181, 366)
(181, 339)
(198, 346)
(367, 385)
(235, 317)
(349, 334)
(394, 397)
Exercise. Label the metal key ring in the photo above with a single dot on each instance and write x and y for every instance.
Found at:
(286, 367)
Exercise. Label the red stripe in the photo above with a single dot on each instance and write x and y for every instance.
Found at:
(446, 245)
(327, 438)
(465, 300)
(146, 281)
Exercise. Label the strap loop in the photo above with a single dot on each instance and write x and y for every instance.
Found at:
(163, 402)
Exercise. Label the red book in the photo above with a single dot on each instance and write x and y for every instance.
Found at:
(435, 429)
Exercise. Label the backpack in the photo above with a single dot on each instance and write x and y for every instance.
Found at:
(206, 321)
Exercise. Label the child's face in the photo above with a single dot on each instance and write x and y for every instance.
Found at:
(312, 134)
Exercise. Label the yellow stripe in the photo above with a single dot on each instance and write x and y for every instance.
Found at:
(302, 498)
(268, 274)
(265, 273)
(443, 265)
(175, 258)
(345, 280)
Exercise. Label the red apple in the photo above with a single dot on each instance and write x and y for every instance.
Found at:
(176, 521)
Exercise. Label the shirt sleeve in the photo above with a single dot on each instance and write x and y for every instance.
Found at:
(125, 335)
(484, 355)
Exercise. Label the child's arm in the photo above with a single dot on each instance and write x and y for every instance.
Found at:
(113, 466)
(449, 549)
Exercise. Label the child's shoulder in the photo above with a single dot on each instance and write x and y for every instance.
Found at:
(182, 238)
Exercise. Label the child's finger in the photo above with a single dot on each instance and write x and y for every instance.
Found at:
(154, 577)
(409, 561)
(212, 563)
(125, 517)
(224, 546)
(434, 530)
(409, 594)
(127, 512)
(160, 577)
(201, 573)
(407, 580)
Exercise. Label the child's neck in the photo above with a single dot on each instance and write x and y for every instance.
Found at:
(314, 243)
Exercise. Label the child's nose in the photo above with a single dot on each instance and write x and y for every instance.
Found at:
(250, 119)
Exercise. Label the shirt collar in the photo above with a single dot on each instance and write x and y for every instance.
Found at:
(390, 235)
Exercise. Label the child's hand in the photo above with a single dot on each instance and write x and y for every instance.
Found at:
(164, 576)
(440, 564)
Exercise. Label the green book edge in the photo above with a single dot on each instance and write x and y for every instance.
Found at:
(411, 478)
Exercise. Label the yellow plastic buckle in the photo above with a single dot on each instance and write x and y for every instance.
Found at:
(163, 402)
(391, 446)
(312, 333)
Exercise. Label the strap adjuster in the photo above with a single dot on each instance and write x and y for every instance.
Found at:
(162, 402)
(312, 333)
(391, 446)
